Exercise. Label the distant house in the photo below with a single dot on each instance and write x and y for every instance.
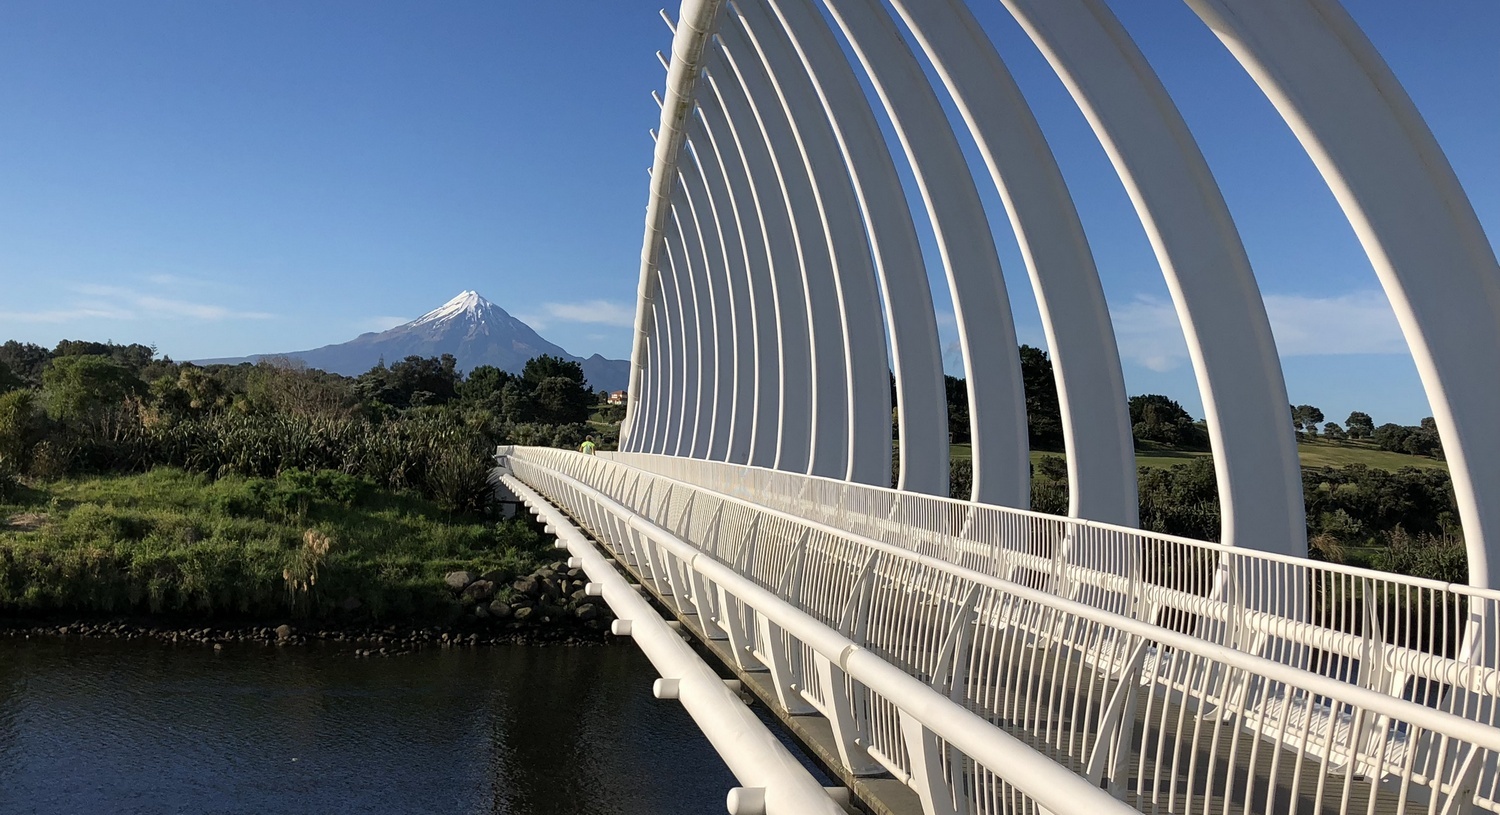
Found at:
(618, 397)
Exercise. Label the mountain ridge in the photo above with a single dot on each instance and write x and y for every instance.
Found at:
(474, 330)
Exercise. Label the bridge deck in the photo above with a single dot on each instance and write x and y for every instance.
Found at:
(814, 620)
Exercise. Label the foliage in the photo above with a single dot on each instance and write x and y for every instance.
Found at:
(1156, 418)
(1421, 440)
(1359, 425)
(306, 543)
(1305, 419)
(80, 388)
(412, 382)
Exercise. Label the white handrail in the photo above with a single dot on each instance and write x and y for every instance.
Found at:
(1071, 679)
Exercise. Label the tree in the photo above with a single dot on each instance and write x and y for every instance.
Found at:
(25, 360)
(288, 386)
(8, 380)
(483, 386)
(1333, 431)
(412, 382)
(1156, 418)
(80, 387)
(1360, 425)
(1043, 411)
(556, 390)
(957, 391)
(1306, 419)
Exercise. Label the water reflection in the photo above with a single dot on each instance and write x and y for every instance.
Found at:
(136, 727)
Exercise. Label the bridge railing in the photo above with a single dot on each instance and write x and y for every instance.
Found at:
(1163, 719)
(1408, 637)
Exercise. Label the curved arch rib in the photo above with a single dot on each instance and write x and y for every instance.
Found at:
(1205, 265)
(1075, 317)
(916, 355)
(1411, 215)
(737, 335)
(866, 389)
(793, 428)
(760, 296)
(997, 402)
(827, 421)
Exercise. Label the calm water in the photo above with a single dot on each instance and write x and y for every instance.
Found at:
(103, 726)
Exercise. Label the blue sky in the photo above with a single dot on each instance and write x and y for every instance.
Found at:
(226, 178)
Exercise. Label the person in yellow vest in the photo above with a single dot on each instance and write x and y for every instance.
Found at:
(588, 446)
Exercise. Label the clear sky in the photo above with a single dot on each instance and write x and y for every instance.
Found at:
(222, 179)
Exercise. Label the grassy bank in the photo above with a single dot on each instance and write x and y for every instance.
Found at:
(324, 546)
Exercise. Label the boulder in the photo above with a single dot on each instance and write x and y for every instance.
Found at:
(586, 613)
(284, 632)
(528, 586)
(523, 613)
(458, 581)
(480, 590)
(583, 598)
(496, 576)
(500, 610)
(482, 612)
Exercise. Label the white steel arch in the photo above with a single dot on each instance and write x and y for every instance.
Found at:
(828, 421)
(1075, 318)
(705, 311)
(740, 351)
(869, 436)
(1208, 273)
(794, 417)
(792, 214)
(1410, 214)
(916, 354)
(997, 401)
(761, 286)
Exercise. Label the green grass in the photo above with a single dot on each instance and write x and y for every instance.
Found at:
(1312, 453)
(300, 545)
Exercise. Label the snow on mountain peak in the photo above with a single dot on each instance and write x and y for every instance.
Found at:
(467, 303)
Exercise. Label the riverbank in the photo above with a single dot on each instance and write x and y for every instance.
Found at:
(312, 548)
(360, 641)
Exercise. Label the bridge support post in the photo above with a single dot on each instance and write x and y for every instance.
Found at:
(834, 689)
(774, 651)
(925, 757)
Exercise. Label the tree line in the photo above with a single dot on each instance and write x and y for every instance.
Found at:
(418, 424)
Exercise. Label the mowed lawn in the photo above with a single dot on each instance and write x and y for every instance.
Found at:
(1312, 453)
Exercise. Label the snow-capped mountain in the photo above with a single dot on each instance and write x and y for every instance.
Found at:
(474, 330)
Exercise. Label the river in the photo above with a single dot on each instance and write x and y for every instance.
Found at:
(139, 727)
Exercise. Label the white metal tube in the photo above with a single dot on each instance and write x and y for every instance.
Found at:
(986, 331)
(916, 352)
(761, 286)
(866, 385)
(1205, 265)
(743, 350)
(716, 280)
(829, 419)
(696, 23)
(700, 257)
(753, 754)
(684, 334)
(1075, 317)
(1410, 213)
(793, 419)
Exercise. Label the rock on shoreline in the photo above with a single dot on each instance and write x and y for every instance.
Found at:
(547, 607)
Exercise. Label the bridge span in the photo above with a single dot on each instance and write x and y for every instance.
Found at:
(967, 655)
(942, 656)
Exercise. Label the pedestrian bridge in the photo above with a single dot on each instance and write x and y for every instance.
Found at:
(814, 159)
